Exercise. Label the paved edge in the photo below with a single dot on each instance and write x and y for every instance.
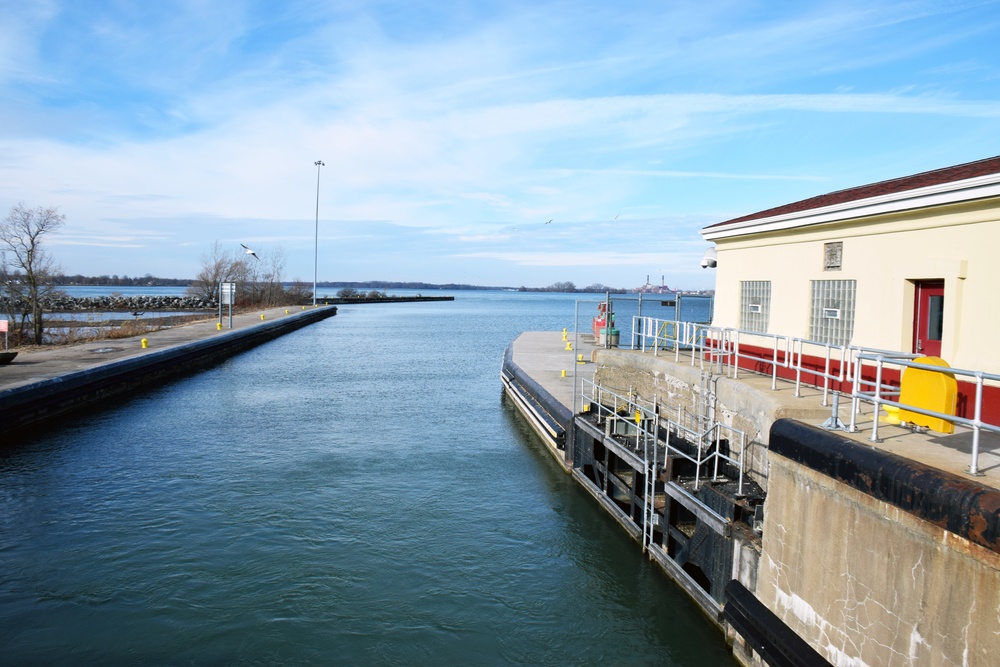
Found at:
(27, 405)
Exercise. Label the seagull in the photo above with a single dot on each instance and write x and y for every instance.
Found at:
(616, 217)
(549, 221)
(251, 252)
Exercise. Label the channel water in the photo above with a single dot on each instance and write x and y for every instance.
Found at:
(353, 493)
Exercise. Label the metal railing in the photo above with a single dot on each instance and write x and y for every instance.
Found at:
(877, 397)
(724, 350)
(706, 437)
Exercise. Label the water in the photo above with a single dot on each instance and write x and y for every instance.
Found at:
(81, 291)
(352, 493)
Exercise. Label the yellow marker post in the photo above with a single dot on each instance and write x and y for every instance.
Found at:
(638, 416)
(569, 345)
(218, 326)
(286, 311)
(145, 343)
(564, 334)
(262, 316)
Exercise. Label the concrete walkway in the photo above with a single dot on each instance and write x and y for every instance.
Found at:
(544, 357)
(39, 364)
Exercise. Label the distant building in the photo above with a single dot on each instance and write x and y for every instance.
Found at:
(910, 264)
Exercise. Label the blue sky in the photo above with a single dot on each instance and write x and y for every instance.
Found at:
(452, 131)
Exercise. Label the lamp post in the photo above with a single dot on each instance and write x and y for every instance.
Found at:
(319, 164)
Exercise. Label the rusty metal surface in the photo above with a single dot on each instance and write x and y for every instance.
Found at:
(962, 506)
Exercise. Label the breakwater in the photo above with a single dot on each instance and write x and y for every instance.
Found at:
(67, 304)
(383, 299)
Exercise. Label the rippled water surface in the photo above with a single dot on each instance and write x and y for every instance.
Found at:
(353, 493)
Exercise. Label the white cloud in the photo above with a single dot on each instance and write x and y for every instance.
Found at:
(460, 131)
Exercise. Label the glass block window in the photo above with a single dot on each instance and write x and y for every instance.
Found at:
(832, 318)
(833, 255)
(755, 305)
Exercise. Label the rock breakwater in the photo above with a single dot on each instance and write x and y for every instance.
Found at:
(67, 304)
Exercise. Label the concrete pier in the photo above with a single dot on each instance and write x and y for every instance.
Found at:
(541, 374)
(39, 385)
(833, 549)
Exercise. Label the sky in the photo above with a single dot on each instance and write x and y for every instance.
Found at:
(507, 143)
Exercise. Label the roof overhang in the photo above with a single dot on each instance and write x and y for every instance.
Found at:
(955, 192)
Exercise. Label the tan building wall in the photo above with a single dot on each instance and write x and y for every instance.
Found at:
(885, 254)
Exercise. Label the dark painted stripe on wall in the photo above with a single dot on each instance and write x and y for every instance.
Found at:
(964, 507)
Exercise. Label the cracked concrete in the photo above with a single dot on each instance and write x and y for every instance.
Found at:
(868, 584)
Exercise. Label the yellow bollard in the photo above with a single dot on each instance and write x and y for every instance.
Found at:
(145, 343)
(286, 311)
(569, 345)
(564, 334)
(564, 373)
(303, 307)
(579, 358)
(262, 316)
(218, 326)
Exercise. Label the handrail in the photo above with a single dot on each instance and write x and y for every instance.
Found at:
(976, 423)
(841, 364)
(708, 441)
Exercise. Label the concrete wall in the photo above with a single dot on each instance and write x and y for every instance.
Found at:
(885, 255)
(866, 582)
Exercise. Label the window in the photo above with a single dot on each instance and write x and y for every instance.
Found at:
(833, 255)
(755, 305)
(832, 319)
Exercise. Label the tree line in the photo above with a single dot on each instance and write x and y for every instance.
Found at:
(147, 280)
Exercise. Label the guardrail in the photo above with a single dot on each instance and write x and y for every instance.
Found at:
(723, 351)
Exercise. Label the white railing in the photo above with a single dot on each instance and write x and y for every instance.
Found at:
(877, 397)
(706, 437)
(725, 349)
(723, 346)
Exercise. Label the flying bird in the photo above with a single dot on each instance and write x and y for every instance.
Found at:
(549, 221)
(251, 252)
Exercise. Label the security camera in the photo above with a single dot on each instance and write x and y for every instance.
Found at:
(710, 259)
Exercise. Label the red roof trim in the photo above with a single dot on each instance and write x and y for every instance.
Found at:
(959, 172)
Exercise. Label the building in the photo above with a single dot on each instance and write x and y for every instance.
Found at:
(909, 265)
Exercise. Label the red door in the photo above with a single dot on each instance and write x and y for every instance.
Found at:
(928, 319)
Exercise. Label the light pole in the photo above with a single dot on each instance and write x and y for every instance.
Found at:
(319, 164)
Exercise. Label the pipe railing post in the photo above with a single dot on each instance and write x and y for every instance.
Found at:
(876, 398)
(976, 424)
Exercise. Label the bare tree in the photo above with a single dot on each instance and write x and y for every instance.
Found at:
(258, 277)
(26, 267)
(216, 267)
